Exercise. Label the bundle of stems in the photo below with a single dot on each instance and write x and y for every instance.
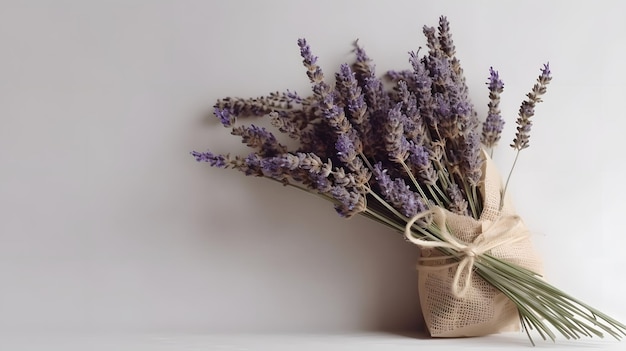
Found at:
(399, 155)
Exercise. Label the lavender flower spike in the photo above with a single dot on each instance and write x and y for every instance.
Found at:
(349, 202)
(395, 143)
(259, 138)
(472, 161)
(226, 116)
(493, 125)
(398, 194)
(346, 150)
(445, 37)
(527, 109)
(420, 160)
(214, 160)
(314, 72)
(350, 91)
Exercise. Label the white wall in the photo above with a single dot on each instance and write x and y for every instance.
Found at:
(108, 224)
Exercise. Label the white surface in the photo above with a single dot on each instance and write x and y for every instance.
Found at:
(108, 225)
(357, 341)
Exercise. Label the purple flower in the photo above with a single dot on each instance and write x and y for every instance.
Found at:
(361, 55)
(419, 159)
(471, 159)
(419, 156)
(293, 97)
(349, 202)
(398, 194)
(404, 75)
(493, 125)
(305, 51)
(422, 79)
(443, 109)
(545, 73)
(349, 90)
(252, 165)
(413, 123)
(527, 109)
(495, 83)
(445, 37)
(463, 109)
(440, 69)
(396, 144)
(345, 148)
(431, 40)
(226, 116)
(214, 160)
(492, 129)
(259, 137)
(458, 204)
(314, 72)
(376, 97)
(305, 168)
(274, 167)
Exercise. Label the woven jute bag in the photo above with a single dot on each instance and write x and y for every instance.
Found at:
(481, 309)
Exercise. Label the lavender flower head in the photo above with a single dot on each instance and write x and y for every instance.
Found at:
(419, 160)
(214, 160)
(398, 194)
(346, 150)
(495, 83)
(494, 123)
(445, 37)
(226, 116)
(308, 59)
(545, 76)
(472, 160)
(314, 72)
(349, 90)
(349, 202)
(259, 138)
(527, 109)
(395, 142)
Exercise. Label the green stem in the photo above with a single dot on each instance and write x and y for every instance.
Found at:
(506, 185)
(470, 200)
(387, 205)
(366, 161)
(441, 193)
(371, 214)
(417, 185)
(479, 202)
(436, 198)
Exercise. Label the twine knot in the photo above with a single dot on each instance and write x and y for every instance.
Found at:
(505, 230)
(469, 251)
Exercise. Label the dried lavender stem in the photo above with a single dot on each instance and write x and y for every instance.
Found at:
(508, 178)
(470, 200)
(417, 185)
(478, 203)
(369, 213)
(386, 204)
(366, 161)
(441, 193)
(442, 175)
(435, 197)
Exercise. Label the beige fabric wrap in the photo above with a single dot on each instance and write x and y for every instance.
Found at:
(482, 309)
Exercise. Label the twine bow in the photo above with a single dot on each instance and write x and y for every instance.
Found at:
(505, 230)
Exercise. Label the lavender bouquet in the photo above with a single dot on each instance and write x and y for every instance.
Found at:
(416, 158)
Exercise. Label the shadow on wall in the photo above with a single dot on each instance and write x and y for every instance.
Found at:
(282, 260)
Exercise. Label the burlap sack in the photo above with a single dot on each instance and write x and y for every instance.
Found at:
(482, 309)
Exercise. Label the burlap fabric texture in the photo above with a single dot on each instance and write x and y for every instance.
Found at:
(480, 309)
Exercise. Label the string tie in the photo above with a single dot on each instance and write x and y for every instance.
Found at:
(505, 230)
